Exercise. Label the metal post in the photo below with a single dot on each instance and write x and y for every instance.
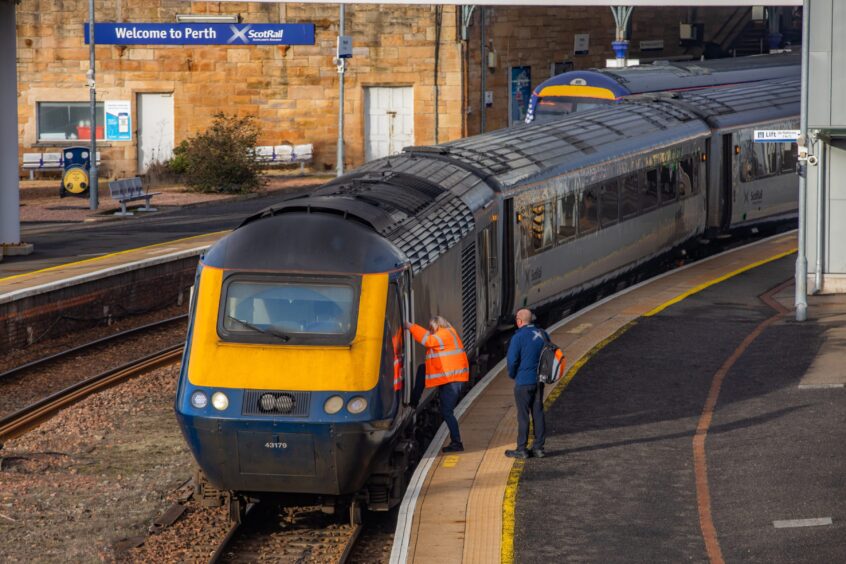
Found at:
(801, 297)
(10, 221)
(621, 45)
(483, 68)
(342, 64)
(94, 185)
(821, 181)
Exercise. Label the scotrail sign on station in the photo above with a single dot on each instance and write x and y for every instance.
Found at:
(201, 34)
(776, 135)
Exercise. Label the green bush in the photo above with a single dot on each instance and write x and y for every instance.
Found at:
(222, 158)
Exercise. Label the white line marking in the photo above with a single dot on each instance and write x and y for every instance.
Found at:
(819, 386)
(399, 550)
(790, 523)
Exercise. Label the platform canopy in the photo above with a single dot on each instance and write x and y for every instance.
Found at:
(685, 3)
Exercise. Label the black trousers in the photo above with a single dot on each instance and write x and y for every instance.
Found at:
(449, 396)
(529, 401)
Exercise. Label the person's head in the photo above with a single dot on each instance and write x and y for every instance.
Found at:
(523, 317)
(438, 322)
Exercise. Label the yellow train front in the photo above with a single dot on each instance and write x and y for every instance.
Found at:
(287, 387)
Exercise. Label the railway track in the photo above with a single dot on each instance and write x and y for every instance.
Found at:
(296, 536)
(30, 416)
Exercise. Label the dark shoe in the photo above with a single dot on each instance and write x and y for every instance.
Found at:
(538, 453)
(519, 453)
(454, 447)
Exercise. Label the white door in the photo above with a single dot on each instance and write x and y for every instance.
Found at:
(389, 120)
(155, 129)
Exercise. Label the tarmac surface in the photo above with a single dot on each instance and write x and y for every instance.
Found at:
(621, 481)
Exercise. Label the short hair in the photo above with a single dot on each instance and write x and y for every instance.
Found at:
(525, 315)
(439, 322)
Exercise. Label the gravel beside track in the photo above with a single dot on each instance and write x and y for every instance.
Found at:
(33, 384)
(96, 473)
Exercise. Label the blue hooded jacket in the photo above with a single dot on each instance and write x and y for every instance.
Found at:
(523, 354)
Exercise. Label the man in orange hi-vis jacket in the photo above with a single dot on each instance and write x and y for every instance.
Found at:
(447, 369)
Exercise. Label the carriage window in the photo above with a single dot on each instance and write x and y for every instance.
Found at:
(566, 218)
(789, 157)
(757, 160)
(668, 182)
(649, 190)
(537, 221)
(687, 175)
(281, 311)
(610, 202)
(629, 198)
(588, 217)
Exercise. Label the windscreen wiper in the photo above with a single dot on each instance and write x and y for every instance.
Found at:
(272, 331)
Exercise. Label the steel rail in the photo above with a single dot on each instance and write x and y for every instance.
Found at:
(24, 419)
(103, 340)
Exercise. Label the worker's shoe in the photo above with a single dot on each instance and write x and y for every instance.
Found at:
(518, 453)
(538, 453)
(454, 447)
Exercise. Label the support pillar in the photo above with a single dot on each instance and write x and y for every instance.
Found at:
(10, 221)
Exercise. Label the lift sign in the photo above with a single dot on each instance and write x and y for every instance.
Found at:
(776, 135)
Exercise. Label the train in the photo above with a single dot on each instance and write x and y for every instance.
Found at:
(575, 91)
(296, 379)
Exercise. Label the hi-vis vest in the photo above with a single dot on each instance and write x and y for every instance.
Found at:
(446, 360)
(396, 343)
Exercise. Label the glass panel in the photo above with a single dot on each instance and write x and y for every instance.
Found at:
(789, 157)
(630, 201)
(550, 109)
(757, 160)
(668, 182)
(292, 308)
(649, 195)
(63, 121)
(538, 231)
(686, 177)
(610, 204)
(588, 211)
(566, 218)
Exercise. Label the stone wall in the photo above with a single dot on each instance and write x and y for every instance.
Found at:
(293, 91)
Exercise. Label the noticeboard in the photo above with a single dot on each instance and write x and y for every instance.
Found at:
(520, 91)
(118, 120)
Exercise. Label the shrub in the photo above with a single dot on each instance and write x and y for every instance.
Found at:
(222, 158)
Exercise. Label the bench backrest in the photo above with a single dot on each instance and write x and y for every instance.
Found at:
(126, 188)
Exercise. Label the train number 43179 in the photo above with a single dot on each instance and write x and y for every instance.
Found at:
(275, 445)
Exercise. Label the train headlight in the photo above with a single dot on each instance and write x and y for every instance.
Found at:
(267, 402)
(357, 405)
(220, 401)
(333, 405)
(199, 399)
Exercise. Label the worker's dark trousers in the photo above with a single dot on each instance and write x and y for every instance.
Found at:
(530, 402)
(449, 396)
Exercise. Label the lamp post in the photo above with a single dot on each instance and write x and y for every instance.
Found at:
(93, 187)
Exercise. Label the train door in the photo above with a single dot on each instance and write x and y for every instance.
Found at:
(489, 275)
(727, 181)
(407, 302)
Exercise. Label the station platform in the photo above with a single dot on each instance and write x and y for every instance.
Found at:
(697, 421)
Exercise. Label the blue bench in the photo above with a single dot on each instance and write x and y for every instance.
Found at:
(271, 155)
(34, 162)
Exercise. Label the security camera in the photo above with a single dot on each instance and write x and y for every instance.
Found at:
(812, 160)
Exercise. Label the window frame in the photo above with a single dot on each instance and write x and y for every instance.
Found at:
(603, 187)
(101, 115)
(559, 240)
(250, 337)
(593, 189)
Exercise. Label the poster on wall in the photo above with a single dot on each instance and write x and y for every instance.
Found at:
(118, 120)
(520, 94)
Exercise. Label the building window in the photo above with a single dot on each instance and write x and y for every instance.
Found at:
(67, 121)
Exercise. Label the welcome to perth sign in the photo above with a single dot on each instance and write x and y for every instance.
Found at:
(201, 34)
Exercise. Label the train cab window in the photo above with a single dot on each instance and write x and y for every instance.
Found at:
(609, 203)
(588, 211)
(629, 197)
(278, 312)
(789, 157)
(538, 234)
(566, 218)
(649, 190)
(393, 349)
(687, 177)
(669, 182)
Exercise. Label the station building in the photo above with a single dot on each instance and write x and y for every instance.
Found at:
(418, 75)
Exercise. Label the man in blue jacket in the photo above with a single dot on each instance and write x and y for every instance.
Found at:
(523, 355)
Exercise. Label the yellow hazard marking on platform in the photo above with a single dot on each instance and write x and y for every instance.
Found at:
(509, 501)
(115, 254)
(450, 461)
(710, 283)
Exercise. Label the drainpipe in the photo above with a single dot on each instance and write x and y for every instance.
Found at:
(801, 297)
(821, 194)
(342, 66)
(93, 182)
(483, 70)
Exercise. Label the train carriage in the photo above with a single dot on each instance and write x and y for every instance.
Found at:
(296, 380)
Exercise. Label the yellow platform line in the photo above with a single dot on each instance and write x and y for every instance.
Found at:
(509, 502)
(110, 255)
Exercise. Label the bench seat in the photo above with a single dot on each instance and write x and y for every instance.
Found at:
(130, 190)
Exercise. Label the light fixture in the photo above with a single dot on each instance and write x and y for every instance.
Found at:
(207, 18)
